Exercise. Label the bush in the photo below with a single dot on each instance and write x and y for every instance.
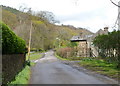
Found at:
(109, 46)
(11, 44)
(66, 52)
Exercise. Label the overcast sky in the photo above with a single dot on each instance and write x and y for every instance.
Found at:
(90, 14)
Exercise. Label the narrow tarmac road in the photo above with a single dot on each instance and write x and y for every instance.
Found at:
(49, 70)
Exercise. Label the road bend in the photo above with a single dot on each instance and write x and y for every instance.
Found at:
(49, 70)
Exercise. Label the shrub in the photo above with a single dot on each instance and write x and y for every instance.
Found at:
(11, 43)
(66, 52)
(109, 46)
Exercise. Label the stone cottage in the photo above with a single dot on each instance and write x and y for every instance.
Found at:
(85, 45)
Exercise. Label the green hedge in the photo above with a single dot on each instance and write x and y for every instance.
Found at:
(11, 43)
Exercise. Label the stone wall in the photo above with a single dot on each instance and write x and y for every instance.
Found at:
(11, 65)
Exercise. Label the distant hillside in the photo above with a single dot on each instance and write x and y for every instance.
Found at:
(13, 10)
(44, 34)
(79, 30)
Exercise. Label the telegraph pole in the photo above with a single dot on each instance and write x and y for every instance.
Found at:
(29, 41)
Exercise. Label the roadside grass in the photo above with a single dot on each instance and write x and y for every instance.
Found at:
(24, 76)
(97, 65)
(102, 67)
(34, 56)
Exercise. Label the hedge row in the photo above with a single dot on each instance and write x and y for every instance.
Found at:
(11, 43)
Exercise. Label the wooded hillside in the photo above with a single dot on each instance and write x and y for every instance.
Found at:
(45, 33)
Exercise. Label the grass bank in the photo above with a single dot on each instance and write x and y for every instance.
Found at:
(97, 65)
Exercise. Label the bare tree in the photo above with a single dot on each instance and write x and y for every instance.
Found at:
(118, 17)
(47, 16)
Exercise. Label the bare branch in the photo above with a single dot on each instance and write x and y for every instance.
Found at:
(115, 4)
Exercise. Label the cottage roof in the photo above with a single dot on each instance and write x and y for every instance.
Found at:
(77, 38)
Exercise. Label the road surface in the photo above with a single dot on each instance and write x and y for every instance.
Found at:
(49, 70)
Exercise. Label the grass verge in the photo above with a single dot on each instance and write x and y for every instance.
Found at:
(34, 56)
(22, 78)
(102, 67)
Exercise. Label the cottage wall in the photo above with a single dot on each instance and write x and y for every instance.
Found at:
(82, 49)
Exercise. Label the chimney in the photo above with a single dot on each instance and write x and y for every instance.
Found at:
(106, 30)
(81, 34)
